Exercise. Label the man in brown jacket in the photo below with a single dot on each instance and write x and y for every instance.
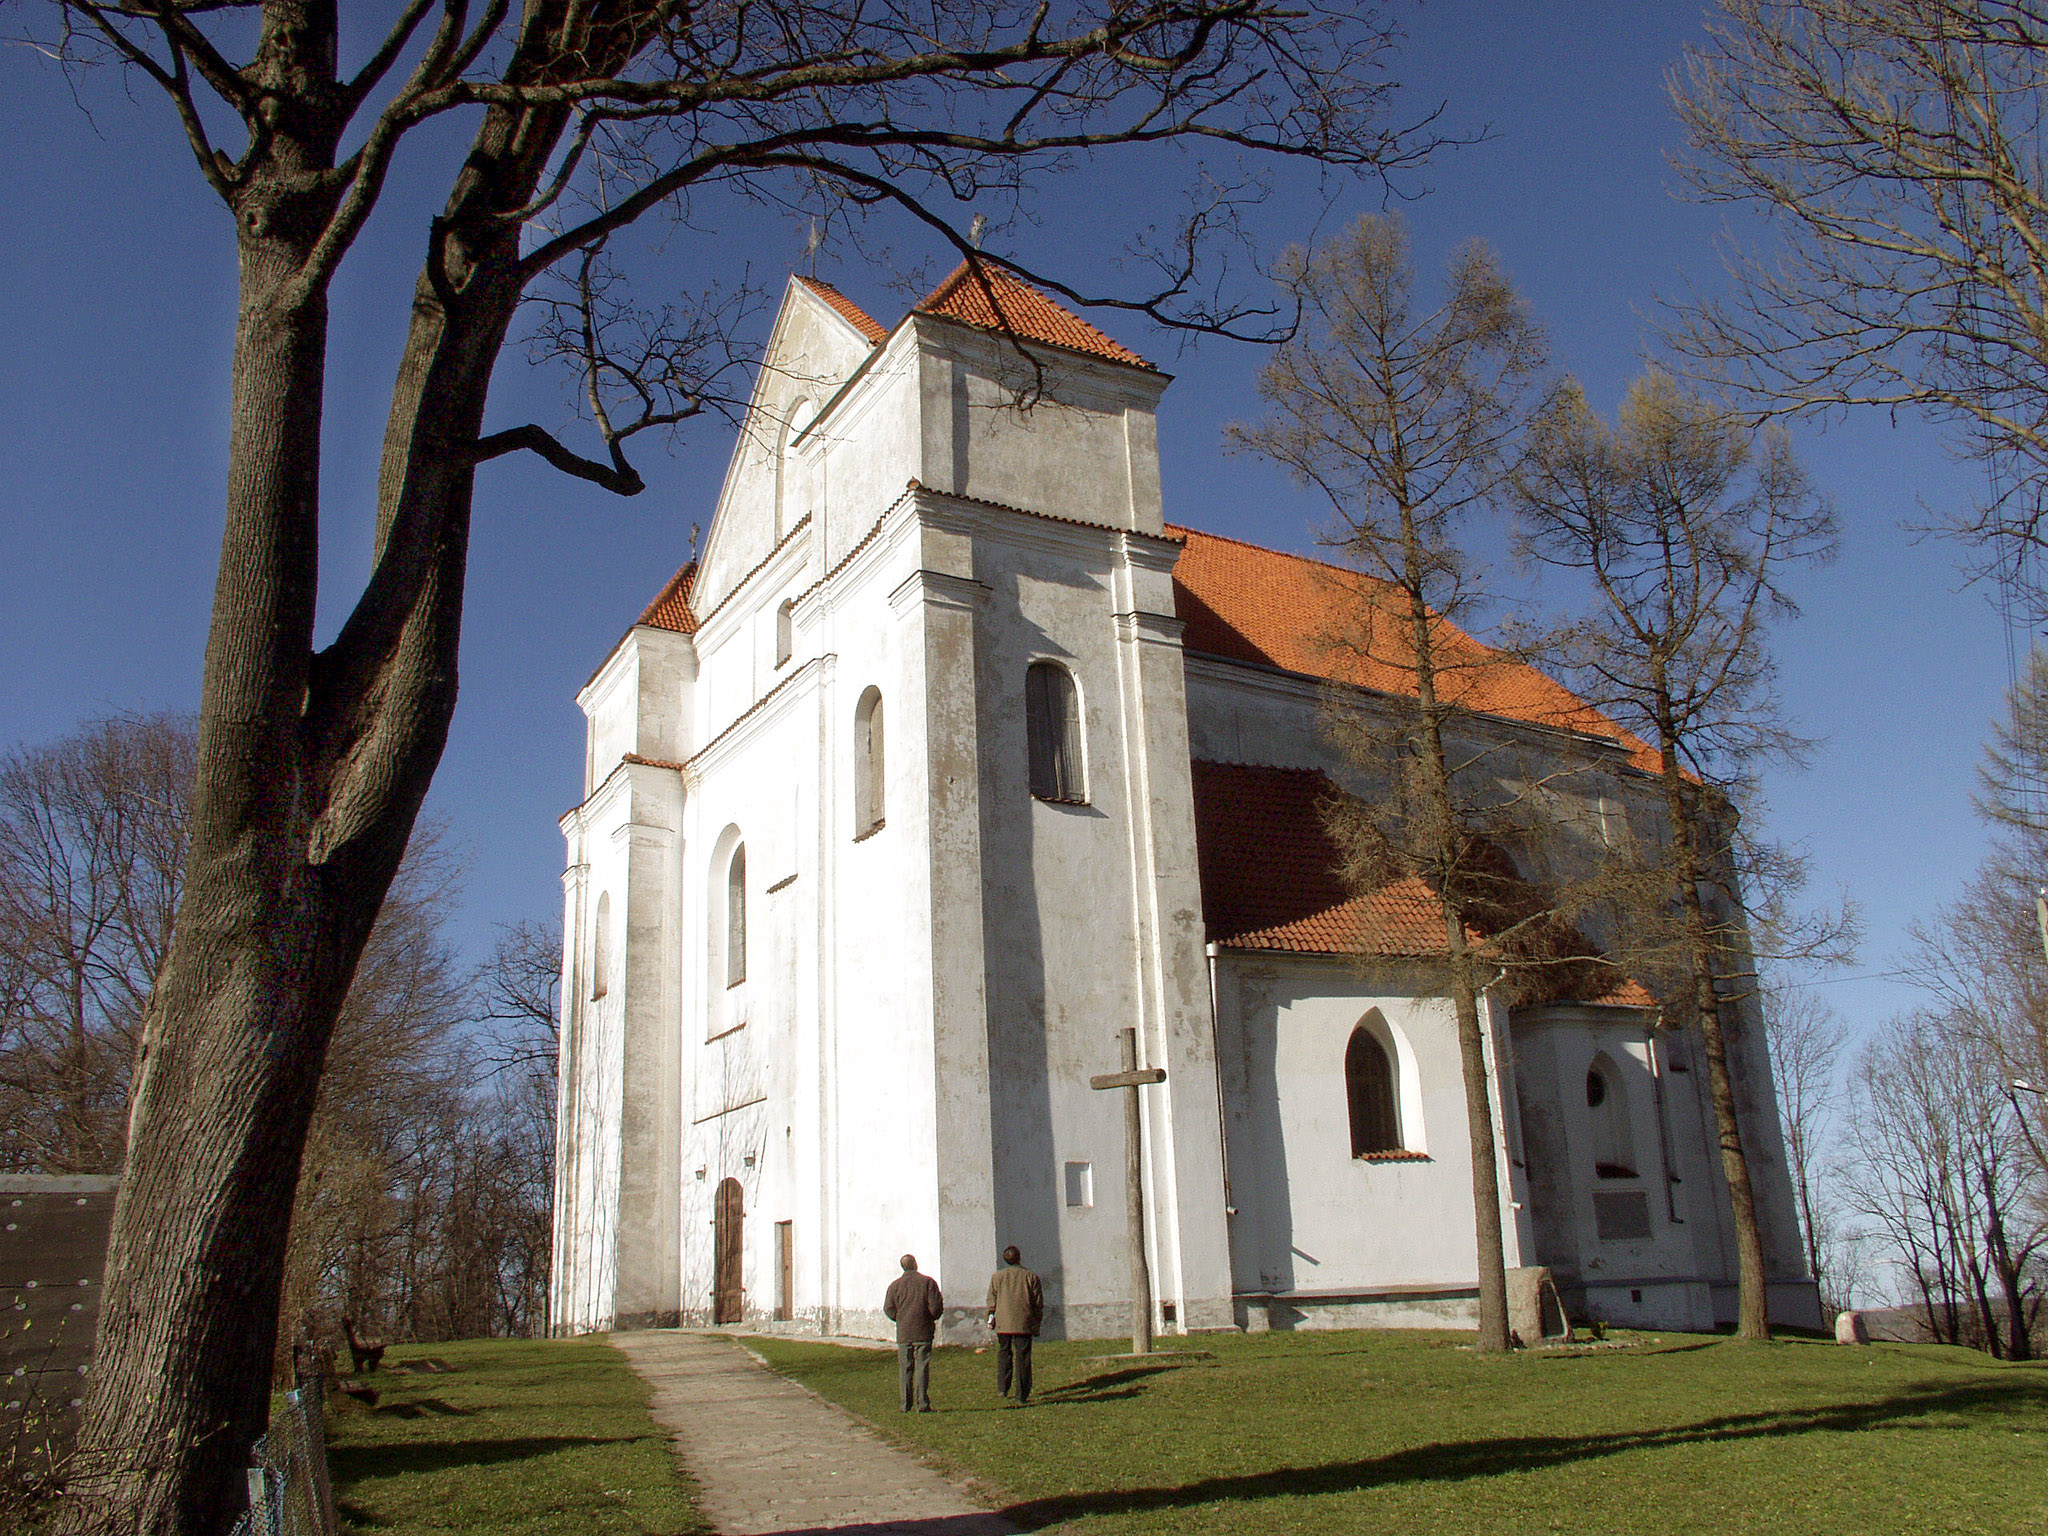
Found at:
(1016, 1306)
(914, 1304)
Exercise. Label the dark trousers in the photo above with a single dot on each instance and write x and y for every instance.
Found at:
(914, 1369)
(1013, 1360)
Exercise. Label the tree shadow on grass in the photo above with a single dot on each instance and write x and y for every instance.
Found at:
(352, 1463)
(419, 1408)
(1461, 1460)
(1104, 1385)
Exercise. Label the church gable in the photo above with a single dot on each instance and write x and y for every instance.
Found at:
(820, 340)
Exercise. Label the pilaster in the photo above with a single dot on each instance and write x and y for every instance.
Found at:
(942, 608)
(1182, 1116)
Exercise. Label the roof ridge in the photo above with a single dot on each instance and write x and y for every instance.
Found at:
(1001, 281)
(677, 586)
(870, 328)
(1284, 554)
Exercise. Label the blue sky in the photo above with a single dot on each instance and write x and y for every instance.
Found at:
(116, 299)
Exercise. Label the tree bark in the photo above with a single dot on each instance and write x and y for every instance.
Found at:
(263, 947)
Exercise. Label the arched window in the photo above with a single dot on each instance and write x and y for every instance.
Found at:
(867, 764)
(1052, 715)
(736, 918)
(785, 634)
(601, 948)
(1369, 1087)
(1614, 1153)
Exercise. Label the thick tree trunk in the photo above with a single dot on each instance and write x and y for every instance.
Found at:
(310, 773)
(1752, 1298)
(262, 951)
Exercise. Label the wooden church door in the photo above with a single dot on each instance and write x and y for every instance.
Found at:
(728, 1215)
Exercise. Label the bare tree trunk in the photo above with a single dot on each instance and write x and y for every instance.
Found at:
(264, 945)
(311, 772)
(1753, 1299)
(1440, 808)
(2019, 1346)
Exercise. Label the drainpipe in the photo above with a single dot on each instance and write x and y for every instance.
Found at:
(1655, 1046)
(1504, 1085)
(1216, 1059)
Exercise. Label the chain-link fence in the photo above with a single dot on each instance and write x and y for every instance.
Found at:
(288, 1490)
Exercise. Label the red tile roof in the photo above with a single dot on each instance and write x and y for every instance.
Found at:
(1244, 603)
(1269, 871)
(852, 313)
(999, 300)
(671, 606)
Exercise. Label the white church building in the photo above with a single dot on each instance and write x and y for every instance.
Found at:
(952, 758)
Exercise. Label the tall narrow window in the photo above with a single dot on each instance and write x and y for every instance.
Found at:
(1369, 1086)
(867, 764)
(1614, 1153)
(736, 918)
(787, 496)
(785, 635)
(1052, 711)
(601, 948)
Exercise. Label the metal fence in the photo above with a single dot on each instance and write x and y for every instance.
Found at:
(288, 1490)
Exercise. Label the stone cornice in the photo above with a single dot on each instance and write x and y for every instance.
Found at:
(1150, 628)
(937, 589)
(759, 716)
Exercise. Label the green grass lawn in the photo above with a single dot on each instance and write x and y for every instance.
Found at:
(517, 1436)
(1405, 1433)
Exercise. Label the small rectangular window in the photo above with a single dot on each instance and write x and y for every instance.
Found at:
(1622, 1216)
(1080, 1185)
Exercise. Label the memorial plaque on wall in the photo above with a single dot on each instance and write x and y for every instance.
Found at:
(53, 1250)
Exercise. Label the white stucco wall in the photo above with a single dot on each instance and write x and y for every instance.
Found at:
(1312, 1220)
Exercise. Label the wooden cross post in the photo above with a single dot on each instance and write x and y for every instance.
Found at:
(1131, 1079)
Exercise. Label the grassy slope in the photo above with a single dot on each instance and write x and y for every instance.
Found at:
(1403, 1433)
(520, 1436)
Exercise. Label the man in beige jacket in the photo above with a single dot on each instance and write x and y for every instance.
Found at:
(1016, 1306)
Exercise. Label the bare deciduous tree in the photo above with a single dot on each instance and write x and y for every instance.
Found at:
(1897, 147)
(1938, 1163)
(92, 847)
(1683, 521)
(1403, 418)
(313, 763)
(1807, 1037)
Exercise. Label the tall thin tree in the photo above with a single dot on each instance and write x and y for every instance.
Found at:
(1807, 1037)
(1683, 521)
(1404, 417)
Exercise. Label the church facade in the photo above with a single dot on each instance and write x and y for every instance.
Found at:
(950, 760)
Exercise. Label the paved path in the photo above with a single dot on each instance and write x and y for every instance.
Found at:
(770, 1456)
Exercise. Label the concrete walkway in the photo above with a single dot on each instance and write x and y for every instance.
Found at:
(770, 1456)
